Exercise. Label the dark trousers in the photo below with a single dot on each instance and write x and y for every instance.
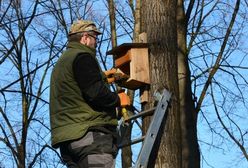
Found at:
(94, 150)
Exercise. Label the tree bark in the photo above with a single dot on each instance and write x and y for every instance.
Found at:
(111, 7)
(159, 21)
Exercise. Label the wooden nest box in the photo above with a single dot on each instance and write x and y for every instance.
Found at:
(132, 59)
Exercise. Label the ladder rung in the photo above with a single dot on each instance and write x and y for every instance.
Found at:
(142, 113)
(137, 140)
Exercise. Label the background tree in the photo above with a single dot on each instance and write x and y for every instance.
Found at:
(212, 46)
(22, 99)
(33, 36)
(126, 152)
(188, 115)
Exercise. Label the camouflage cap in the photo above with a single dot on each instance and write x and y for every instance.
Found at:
(83, 26)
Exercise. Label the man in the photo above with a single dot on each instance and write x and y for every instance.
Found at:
(82, 107)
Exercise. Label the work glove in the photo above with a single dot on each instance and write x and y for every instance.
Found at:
(115, 75)
(124, 102)
(124, 99)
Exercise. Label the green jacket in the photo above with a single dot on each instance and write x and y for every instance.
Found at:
(70, 115)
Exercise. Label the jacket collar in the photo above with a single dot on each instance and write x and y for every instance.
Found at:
(77, 45)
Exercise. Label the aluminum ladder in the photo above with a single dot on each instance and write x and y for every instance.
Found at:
(160, 114)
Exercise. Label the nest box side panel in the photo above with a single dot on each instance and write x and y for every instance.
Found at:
(139, 65)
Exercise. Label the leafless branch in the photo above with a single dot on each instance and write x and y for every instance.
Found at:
(217, 63)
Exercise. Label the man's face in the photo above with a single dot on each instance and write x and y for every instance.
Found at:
(89, 39)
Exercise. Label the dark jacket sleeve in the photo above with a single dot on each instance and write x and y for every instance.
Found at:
(94, 90)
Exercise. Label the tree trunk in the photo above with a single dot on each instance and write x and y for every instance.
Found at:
(188, 115)
(111, 7)
(159, 21)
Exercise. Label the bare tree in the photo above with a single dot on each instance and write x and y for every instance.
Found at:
(188, 115)
(34, 35)
(24, 125)
(211, 51)
(211, 46)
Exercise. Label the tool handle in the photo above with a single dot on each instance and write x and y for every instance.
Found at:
(124, 113)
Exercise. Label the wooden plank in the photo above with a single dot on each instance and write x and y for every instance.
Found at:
(144, 91)
(123, 59)
(117, 51)
(144, 95)
(139, 67)
(143, 38)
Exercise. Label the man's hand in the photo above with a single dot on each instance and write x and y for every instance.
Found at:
(115, 75)
(110, 72)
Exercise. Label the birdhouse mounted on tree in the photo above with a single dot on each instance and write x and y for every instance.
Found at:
(132, 59)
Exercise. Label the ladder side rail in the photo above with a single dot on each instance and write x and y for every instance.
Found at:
(122, 142)
(151, 135)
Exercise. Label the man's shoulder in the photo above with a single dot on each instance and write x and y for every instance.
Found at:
(71, 54)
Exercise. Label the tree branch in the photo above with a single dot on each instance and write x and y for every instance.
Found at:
(218, 60)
